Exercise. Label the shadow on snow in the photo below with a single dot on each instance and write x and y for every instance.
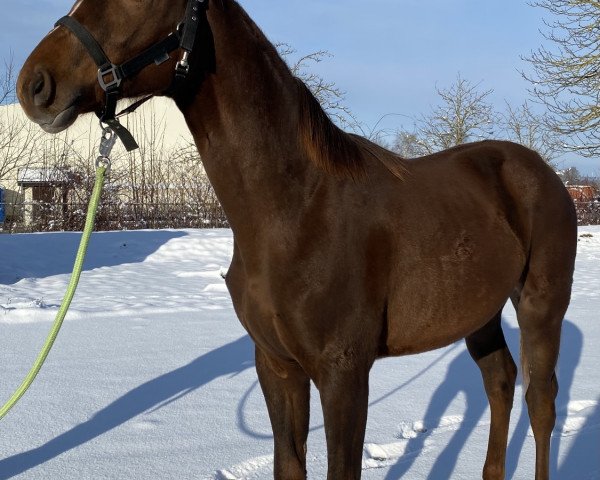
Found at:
(229, 359)
(462, 378)
(37, 256)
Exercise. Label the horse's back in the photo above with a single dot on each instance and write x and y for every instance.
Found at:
(508, 178)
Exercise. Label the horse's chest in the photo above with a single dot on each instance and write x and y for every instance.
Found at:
(295, 315)
(255, 307)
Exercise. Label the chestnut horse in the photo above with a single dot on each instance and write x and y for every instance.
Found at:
(344, 253)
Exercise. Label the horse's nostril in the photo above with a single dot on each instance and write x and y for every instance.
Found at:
(38, 86)
(41, 88)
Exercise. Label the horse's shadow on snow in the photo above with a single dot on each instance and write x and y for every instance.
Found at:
(463, 377)
(229, 359)
(583, 454)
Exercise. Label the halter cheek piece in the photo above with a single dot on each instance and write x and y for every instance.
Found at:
(110, 76)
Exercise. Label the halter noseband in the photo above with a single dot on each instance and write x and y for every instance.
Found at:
(110, 76)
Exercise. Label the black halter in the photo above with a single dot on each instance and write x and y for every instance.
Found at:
(110, 76)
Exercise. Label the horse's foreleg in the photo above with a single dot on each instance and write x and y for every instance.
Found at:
(344, 398)
(286, 388)
(488, 348)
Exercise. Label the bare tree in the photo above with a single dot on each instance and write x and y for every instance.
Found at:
(18, 141)
(408, 144)
(7, 83)
(17, 135)
(203, 209)
(522, 125)
(566, 76)
(570, 176)
(148, 170)
(463, 115)
(329, 95)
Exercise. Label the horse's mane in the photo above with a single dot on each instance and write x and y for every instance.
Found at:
(328, 147)
(335, 151)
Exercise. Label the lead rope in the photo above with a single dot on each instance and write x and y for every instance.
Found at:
(102, 166)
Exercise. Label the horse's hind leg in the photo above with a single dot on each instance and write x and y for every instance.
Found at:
(488, 348)
(541, 308)
(540, 312)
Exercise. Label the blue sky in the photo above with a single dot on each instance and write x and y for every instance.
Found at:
(388, 55)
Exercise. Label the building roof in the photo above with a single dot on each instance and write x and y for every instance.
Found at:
(34, 177)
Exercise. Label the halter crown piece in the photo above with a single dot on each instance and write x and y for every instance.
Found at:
(110, 76)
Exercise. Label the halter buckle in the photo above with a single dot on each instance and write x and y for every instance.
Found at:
(109, 77)
(183, 65)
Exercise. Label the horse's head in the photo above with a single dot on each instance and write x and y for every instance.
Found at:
(59, 80)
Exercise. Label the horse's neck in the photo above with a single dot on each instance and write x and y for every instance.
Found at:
(245, 124)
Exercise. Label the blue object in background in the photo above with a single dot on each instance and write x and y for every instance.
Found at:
(2, 209)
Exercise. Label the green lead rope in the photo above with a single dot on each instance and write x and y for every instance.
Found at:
(60, 316)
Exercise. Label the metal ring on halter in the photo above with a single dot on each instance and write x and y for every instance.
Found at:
(103, 162)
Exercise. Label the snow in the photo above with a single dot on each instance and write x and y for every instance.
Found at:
(152, 375)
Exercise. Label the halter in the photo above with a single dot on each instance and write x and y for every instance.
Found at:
(110, 76)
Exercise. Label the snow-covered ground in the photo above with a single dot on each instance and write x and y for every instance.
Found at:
(152, 376)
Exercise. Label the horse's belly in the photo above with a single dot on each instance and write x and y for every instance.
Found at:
(426, 330)
(438, 300)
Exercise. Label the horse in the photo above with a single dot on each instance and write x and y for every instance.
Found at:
(344, 252)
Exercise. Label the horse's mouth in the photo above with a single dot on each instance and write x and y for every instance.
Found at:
(62, 121)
